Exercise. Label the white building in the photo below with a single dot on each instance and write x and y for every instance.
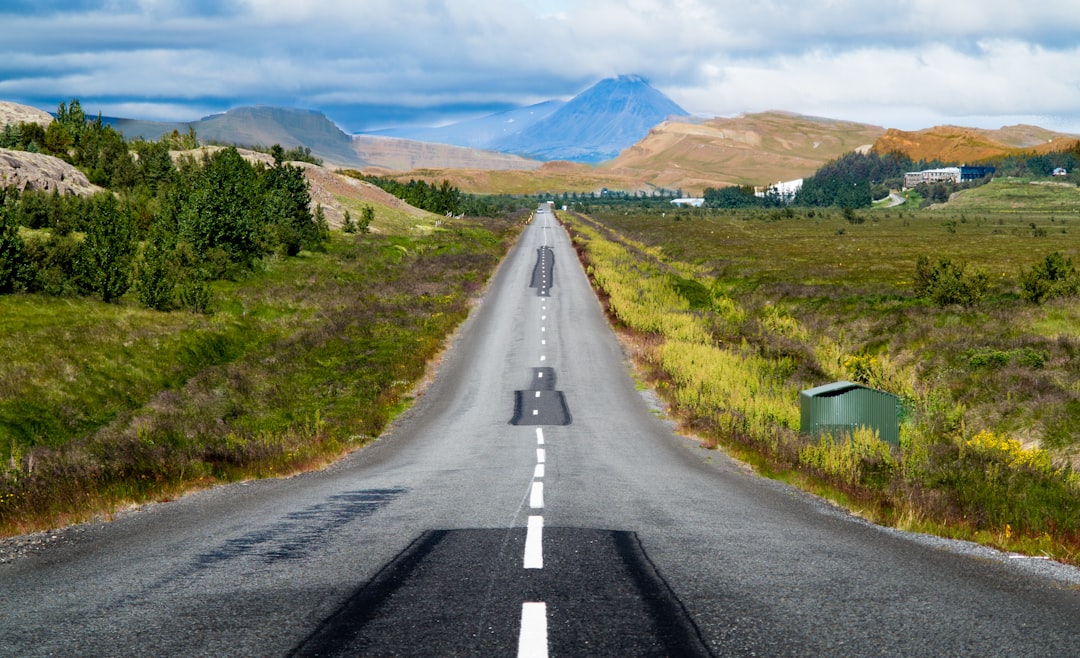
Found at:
(786, 190)
(946, 175)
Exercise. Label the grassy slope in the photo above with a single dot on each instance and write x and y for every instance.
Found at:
(103, 404)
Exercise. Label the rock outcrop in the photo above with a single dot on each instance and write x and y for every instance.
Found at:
(13, 114)
(36, 171)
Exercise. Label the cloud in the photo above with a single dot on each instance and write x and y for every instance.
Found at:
(874, 62)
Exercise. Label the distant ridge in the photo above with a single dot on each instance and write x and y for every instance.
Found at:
(968, 145)
(258, 126)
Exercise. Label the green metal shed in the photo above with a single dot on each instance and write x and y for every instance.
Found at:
(845, 406)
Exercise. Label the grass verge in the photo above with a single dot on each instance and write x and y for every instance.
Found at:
(105, 405)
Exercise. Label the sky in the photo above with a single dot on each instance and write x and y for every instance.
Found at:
(370, 64)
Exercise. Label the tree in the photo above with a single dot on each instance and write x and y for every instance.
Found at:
(347, 224)
(106, 255)
(219, 212)
(154, 273)
(11, 251)
(946, 282)
(285, 200)
(72, 119)
(58, 140)
(734, 196)
(367, 216)
(155, 166)
(1054, 276)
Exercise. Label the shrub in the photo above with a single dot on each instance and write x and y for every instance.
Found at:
(106, 256)
(11, 251)
(1055, 276)
(860, 458)
(947, 282)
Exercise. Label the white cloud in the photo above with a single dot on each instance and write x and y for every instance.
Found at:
(886, 60)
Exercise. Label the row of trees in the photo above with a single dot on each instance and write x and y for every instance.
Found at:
(443, 199)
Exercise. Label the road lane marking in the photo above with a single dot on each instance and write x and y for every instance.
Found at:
(536, 496)
(543, 341)
(538, 394)
(539, 436)
(543, 358)
(533, 640)
(534, 547)
(536, 412)
(540, 455)
(539, 471)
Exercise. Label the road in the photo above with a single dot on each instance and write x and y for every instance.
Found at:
(530, 503)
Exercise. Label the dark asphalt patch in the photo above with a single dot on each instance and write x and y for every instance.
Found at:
(299, 534)
(543, 379)
(541, 404)
(459, 592)
(543, 276)
(540, 408)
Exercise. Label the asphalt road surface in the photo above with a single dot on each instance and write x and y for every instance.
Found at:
(531, 503)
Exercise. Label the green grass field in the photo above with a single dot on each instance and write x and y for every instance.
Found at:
(773, 302)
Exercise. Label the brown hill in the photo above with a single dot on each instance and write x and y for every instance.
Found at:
(750, 149)
(959, 144)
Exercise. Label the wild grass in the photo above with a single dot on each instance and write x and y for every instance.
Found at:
(102, 405)
(797, 301)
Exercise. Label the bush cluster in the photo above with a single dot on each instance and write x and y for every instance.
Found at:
(947, 282)
(1054, 276)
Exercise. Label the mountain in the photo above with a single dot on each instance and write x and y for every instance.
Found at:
(968, 145)
(266, 126)
(479, 133)
(596, 124)
(258, 126)
(750, 149)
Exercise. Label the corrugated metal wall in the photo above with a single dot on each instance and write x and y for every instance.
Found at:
(844, 406)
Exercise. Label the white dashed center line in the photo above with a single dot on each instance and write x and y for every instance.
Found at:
(539, 436)
(534, 553)
(540, 456)
(533, 642)
(536, 496)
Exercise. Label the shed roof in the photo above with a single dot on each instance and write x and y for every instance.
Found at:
(835, 388)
